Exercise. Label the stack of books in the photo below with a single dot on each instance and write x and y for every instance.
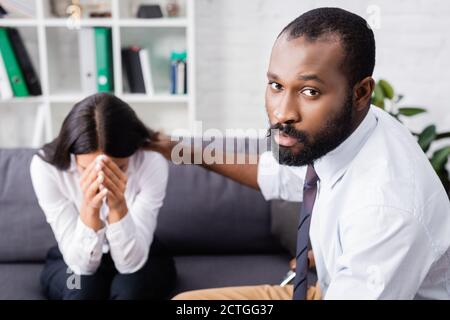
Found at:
(18, 77)
(96, 65)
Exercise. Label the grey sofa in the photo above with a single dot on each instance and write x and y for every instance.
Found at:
(218, 231)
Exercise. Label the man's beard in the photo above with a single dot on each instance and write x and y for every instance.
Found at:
(336, 130)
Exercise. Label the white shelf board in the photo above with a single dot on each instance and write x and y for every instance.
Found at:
(105, 22)
(128, 97)
(159, 22)
(157, 98)
(18, 22)
(93, 22)
(19, 100)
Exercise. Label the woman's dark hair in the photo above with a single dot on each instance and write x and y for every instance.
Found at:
(99, 122)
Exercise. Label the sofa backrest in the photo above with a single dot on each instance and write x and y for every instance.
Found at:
(203, 212)
(24, 233)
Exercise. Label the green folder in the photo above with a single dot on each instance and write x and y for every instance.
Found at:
(15, 75)
(103, 48)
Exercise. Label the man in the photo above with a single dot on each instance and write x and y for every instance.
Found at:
(376, 213)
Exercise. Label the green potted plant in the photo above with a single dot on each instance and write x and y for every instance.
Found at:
(386, 98)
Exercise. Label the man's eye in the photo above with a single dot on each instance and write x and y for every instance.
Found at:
(275, 86)
(310, 92)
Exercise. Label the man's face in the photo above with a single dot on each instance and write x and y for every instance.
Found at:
(307, 99)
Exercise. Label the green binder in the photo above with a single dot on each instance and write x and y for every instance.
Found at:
(15, 75)
(103, 48)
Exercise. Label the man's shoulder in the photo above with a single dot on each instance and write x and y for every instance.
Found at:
(392, 170)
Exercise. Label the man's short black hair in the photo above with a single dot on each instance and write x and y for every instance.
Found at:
(355, 35)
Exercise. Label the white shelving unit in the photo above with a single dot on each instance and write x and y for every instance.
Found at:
(53, 49)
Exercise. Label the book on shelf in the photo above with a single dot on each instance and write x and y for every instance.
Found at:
(178, 73)
(88, 68)
(131, 62)
(25, 64)
(13, 70)
(5, 87)
(144, 57)
(104, 63)
(181, 77)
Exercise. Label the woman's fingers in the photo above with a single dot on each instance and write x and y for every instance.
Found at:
(87, 180)
(87, 173)
(113, 177)
(113, 188)
(115, 169)
(97, 201)
(93, 188)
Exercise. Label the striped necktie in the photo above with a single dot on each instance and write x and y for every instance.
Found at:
(309, 196)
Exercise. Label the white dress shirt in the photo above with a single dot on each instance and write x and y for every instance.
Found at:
(128, 240)
(380, 227)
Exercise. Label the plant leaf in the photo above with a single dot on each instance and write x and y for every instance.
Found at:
(426, 137)
(378, 96)
(440, 158)
(443, 135)
(387, 89)
(410, 111)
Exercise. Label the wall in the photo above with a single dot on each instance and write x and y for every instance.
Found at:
(234, 39)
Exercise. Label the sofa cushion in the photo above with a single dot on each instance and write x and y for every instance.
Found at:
(284, 218)
(214, 271)
(20, 281)
(24, 233)
(204, 212)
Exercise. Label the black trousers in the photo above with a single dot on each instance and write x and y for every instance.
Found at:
(154, 281)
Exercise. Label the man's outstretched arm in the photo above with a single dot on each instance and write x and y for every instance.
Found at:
(243, 173)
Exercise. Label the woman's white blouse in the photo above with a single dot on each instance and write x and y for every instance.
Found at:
(128, 240)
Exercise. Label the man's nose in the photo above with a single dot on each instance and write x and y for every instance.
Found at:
(288, 110)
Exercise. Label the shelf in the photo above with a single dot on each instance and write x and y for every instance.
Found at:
(23, 100)
(129, 98)
(18, 22)
(162, 22)
(53, 45)
(94, 22)
(98, 22)
(158, 98)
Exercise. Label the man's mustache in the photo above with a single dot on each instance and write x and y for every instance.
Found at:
(289, 130)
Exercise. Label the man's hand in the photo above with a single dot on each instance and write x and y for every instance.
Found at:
(242, 173)
(311, 262)
(292, 264)
(114, 181)
(161, 143)
(92, 196)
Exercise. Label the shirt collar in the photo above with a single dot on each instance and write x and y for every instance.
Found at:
(333, 165)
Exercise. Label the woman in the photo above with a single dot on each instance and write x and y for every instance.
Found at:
(101, 194)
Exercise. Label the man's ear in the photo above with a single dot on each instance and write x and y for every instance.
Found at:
(362, 93)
